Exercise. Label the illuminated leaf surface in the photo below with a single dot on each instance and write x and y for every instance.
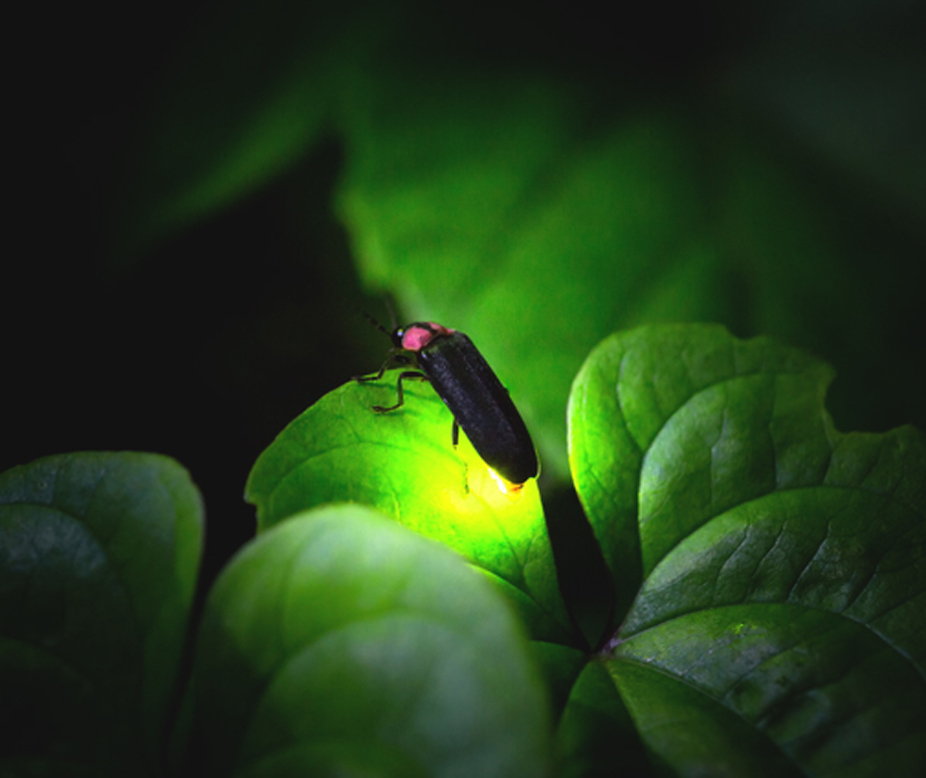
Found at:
(771, 571)
(99, 555)
(340, 643)
(404, 464)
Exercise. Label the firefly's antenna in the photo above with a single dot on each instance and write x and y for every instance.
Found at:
(390, 306)
(375, 323)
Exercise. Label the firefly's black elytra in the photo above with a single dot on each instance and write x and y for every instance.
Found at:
(476, 398)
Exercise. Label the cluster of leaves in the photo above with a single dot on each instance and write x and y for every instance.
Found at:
(766, 614)
(759, 577)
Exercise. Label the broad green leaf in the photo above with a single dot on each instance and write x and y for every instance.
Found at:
(596, 735)
(773, 567)
(404, 464)
(339, 643)
(624, 409)
(99, 554)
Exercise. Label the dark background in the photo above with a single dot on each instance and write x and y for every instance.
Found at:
(204, 347)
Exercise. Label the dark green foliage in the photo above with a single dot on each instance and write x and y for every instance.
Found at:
(98, 561)
(773, 567)
(768, 576)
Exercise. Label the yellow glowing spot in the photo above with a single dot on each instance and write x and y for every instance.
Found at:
(505, 487)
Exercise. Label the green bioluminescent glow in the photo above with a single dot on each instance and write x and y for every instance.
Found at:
(404, 464)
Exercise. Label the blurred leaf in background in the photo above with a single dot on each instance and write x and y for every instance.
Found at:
(539, 182)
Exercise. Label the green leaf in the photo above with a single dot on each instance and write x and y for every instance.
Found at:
(404, 464)
(99, 554)
(772, 570)
(596, 730)
(340, 643)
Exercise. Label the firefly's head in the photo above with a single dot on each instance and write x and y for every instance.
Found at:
(417, 336)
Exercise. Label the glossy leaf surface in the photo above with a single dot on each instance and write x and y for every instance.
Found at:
(772, 570)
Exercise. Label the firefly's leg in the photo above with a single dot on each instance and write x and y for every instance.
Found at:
(398, 388)
(392, 359)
